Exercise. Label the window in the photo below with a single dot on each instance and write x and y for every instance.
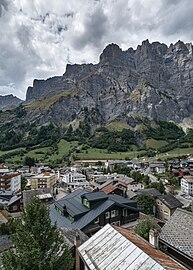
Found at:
(125, 212)
(107, 215)
(96, 220)
(114, 213)
(14, 208)
(86, 203)
(116, 223)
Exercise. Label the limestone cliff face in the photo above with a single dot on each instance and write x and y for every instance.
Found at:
(9, 101)
(153, 81)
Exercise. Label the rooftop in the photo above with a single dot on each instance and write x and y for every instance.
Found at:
(116, 248)
(170, 201)
(188, 178)
(94, 196)
(150, 191)
(110, 188)
(69, 235)
(83, 215)
(178, 232)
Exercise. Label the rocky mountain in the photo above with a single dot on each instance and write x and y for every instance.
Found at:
(153, 81)
(9, 101)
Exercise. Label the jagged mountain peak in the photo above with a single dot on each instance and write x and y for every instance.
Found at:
(9, 101)
(153, 80)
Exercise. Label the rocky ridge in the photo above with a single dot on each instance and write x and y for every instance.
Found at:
(9, 101)
(153, 81)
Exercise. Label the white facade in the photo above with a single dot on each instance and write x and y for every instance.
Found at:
(16, 183)
(73, 177)
(10, 181)
(187, 185)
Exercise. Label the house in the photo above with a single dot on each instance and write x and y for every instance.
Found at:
(176, 237)
(89, 211)
(40, 168)
(134, 186)
(157, 167)
(114, 189)
(187, 185)
(118, 248)
(15, 204)
(166, 206)
(43, 180)
(29, 194)
(73, 239)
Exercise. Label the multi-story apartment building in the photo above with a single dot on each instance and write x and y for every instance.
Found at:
(187, 185)
(43, 180)
(9, 180)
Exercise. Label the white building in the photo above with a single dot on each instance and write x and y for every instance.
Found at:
(187, 185)
(10, 181)
(74, 180)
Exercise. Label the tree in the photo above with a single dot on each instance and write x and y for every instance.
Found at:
(146, 204)
(38, 244)
(29, 161)
(144, 227)
(159, 186)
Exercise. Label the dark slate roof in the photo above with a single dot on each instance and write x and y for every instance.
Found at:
(170, 201)
(14, 199)
(94, 196)
(93, 214)
(150, 191)
(69, 235)
(73, 203)
(178, 232)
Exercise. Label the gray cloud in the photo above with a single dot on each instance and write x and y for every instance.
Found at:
(94, 29)
(3, 6)
(38, 38)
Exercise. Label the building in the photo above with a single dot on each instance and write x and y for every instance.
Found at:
(118, 248)
(153, 192)
(15, 204)
(89, 211)
(10, 181)
(75, 180)
(176, 237)
(157, 167)
(44, 194)
(187, 185)
(43, 180)
(166, 206)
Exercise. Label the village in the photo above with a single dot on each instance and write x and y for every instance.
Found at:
(100, 204)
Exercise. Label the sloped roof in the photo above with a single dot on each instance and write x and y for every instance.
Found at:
(69, 235)
(96, 195)
(110, 188)
(14, 199)
(110, 250)
(156, 254)
(178, 232)
(170, 201)
(73, 203)
(150, 191)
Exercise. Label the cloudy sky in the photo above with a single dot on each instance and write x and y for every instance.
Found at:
(38, 38)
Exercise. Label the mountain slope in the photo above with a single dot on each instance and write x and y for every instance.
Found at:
(153, 81)
(9, 101)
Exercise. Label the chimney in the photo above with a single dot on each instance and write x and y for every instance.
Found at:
(77, 257)
(154, 238)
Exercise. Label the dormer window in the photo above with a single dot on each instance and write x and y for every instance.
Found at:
(86, 203)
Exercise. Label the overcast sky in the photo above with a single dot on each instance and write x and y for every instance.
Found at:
(39, 37)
